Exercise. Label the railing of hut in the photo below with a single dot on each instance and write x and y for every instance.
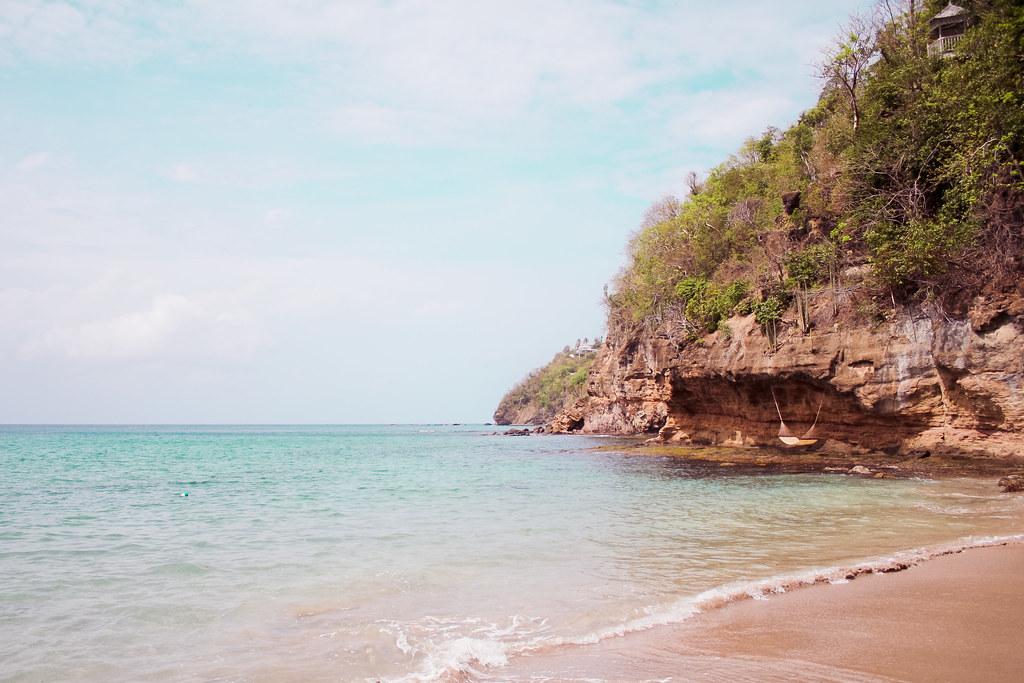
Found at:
(944, 45)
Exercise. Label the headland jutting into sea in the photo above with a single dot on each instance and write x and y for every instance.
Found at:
(844, 297)
(853, 285)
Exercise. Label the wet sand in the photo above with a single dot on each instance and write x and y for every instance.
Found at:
(956, 617)
(953, 618)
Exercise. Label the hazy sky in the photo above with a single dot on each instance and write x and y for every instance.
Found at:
(347, 211)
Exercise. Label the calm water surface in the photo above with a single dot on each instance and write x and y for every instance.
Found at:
(405, 552)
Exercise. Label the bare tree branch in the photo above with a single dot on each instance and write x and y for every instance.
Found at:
(846, 62)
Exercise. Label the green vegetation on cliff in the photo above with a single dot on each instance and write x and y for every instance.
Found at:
(905, 181)
(548, 390)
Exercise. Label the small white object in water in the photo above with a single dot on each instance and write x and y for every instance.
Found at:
(184, 494)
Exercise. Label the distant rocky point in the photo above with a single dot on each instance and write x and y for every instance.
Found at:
(547, 391)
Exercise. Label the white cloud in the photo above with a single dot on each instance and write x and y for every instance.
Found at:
(725, 118)
(275, 216)
(171, 327)
(186, 309)
(90, 32)
(252, 169)
(59, 205)
(183, 172)
(369, 122)
(484, 60)
(33, 161)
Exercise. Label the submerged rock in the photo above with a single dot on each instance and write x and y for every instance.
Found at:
(1012, 483)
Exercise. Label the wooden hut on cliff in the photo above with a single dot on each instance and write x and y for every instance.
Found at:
(947, 28)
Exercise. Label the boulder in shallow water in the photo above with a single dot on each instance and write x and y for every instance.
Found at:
(1012, 483)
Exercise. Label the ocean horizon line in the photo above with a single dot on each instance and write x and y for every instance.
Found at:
(251, 424)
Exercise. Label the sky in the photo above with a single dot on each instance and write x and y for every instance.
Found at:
(349, 211)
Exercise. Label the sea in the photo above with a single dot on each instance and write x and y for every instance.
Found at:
(413, 552)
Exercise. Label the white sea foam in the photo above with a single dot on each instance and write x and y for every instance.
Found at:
(453, 659)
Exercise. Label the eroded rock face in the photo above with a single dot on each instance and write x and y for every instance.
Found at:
(923, 382)
(527, 414)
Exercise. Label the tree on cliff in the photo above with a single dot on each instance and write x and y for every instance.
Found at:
(905, 181)
(846, 62)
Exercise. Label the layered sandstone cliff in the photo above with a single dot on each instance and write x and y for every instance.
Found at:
(923, 382)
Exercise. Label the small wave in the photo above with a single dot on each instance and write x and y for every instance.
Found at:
(467, 645)
(488, 648)
(759, 589)
(464, 655)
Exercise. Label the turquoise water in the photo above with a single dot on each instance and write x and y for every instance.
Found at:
(404, 552)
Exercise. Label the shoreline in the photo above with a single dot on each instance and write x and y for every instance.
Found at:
(951, 616)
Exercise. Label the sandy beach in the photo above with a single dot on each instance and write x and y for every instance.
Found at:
(955, 617)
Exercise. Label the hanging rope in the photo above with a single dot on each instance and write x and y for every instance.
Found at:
(786, 436)
(809, 432)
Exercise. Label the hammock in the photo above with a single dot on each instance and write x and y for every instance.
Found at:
(789, 438)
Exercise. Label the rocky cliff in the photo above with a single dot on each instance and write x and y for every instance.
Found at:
(877, 241)
(923, 382)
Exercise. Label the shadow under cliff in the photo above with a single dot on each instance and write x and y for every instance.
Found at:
(746, 411)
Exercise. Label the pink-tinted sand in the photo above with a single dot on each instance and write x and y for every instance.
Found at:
(957, 617)
(953, 618)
